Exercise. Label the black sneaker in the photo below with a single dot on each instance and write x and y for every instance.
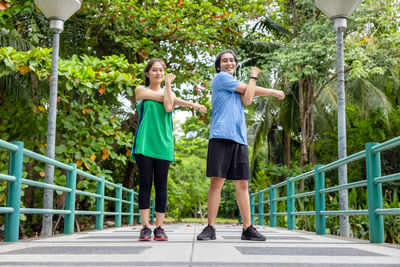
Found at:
(252, 234)
(208, 233)
(145, 234)
(159, 234)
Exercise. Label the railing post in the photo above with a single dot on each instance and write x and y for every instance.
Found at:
(252, 208)
(152, 210)
(130, 208)
(100, 204)
(11, 227)
(260, 208)
(319, 201)
(272, 206)
(376, 227)
(290, 204)
(69, 219)
(118, 205)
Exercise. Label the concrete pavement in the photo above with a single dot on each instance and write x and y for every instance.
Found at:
(119, 247)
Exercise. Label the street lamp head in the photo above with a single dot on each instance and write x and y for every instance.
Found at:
(58, 11)
(338, 11)
(337, 8)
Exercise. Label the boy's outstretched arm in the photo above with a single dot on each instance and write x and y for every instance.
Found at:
(261, 91)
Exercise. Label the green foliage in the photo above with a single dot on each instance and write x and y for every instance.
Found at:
(188, 187)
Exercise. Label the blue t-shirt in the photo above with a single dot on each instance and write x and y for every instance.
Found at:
(227, 115)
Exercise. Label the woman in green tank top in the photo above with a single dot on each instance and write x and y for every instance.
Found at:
(153, 147)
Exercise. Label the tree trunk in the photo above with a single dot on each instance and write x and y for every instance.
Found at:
(312, 143)
(2, 98)
(310, 119)
(303, 127)
(129, 179)
(287, 148)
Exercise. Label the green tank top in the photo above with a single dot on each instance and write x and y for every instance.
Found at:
(153, 136)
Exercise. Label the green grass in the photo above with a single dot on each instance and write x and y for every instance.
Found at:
(198, 220)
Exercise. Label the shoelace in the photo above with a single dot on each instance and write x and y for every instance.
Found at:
(145, 230)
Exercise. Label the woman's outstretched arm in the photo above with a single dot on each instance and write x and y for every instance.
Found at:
(142, 93)
(195, 106)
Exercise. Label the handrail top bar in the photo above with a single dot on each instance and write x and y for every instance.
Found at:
(45, 159)
(386, 145)
(302, 176)
(264, 190)
(8, 146)
(126, 189)
(343, 161)
(279, 185)
(111, 184)
(88, 175)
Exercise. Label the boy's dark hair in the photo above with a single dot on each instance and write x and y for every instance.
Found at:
(218, 59)
(148, 67)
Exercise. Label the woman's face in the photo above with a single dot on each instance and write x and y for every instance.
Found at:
(156, 73)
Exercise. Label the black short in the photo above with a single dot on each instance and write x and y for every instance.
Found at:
(228, 159)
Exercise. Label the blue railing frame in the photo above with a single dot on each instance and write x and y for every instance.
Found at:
(375, 211)
(14, 180)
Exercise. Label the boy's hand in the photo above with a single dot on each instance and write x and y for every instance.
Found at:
(254, 72)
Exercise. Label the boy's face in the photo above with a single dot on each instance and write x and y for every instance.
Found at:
(228, 63)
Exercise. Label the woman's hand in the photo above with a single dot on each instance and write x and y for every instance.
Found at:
(279, 94)
(200, 108)
(169, 78)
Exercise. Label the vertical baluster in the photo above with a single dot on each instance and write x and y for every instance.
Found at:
(69, 219)
(319, 201)
(260, 208)
(131, 208)
(272, 206)
(100, 204)
(290, 204)
(376, 226)
(118, 205)
(11, 227)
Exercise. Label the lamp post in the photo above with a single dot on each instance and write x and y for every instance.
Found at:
(57, 11)
(338, 11)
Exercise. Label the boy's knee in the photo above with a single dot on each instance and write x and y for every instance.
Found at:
(241, 185)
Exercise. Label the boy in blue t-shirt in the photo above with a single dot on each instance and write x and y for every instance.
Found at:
(228, 156)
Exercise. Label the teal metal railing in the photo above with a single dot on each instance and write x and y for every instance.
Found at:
(375, 211)
(14, 180)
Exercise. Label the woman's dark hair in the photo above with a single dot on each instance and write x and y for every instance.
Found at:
(149, 65)
(218, 59)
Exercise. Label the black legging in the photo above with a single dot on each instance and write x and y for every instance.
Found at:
(147, 166)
